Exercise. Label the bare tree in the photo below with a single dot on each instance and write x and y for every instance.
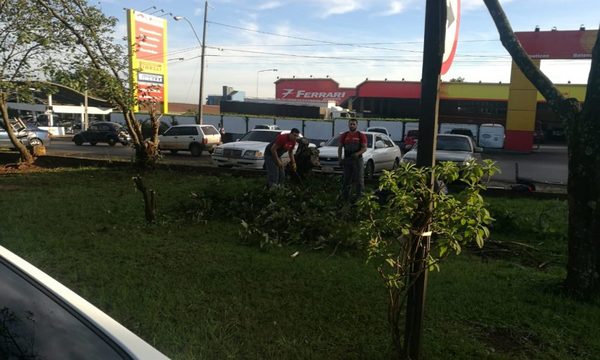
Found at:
(582, 122)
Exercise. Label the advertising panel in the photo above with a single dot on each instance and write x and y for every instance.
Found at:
(148, 57)
(568, 45)
(312, 90)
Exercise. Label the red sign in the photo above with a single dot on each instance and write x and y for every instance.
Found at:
(452, 27)
(390, 89)
(573, 44)
(312, 90)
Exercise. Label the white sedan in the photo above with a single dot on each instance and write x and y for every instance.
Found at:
(249, 151)
(450, 147)
(382, 154)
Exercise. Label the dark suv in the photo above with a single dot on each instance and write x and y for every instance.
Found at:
(103, 132)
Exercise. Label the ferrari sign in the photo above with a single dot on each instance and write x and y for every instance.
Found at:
(452, 26)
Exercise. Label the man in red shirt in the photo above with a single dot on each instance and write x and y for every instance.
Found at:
(354, 144)
(273, 152)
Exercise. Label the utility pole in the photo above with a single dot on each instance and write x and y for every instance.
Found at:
(433, 51)
(200, 108)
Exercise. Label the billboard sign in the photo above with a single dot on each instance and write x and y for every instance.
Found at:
(565, 45)
(148, 57)
(312, 90)
(452, 27)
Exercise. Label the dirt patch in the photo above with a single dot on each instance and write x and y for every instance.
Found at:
(507, 340)
(21, 169)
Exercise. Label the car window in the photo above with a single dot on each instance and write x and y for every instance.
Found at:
(263, 136)
(172, 132)
(453, 143)
(35, 325)
(103, 128)
(387, 141)
(209, 130)
(93, 128)
(188, 130)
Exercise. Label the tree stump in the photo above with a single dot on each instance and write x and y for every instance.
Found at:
(149, 198)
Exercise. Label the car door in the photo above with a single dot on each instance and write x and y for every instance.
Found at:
(167, 139)
(391, 152)
(378, 153)
(91, 134)
(4, 139)
(187, 135)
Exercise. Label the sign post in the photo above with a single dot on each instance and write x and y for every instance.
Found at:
(441, 16)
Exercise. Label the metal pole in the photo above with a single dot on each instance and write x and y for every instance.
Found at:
(433, 51)
(201, 95)
(86, 121)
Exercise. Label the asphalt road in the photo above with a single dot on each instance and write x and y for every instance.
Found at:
(548, 164)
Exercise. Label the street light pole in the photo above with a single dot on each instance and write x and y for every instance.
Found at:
(258, 72)
(203, 47)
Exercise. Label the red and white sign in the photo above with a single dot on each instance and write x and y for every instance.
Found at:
(571, 44)
(312, 90)
(452, 27)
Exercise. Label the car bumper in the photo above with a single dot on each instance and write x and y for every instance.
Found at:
(257, 164)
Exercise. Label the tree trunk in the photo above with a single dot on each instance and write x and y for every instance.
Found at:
(26, 156)
(583, 268)
(583, 132)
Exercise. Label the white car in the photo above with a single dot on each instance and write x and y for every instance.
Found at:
(382, 154)
(192, 138)
(249, 151)
(379, 129)
(28, 135)
(42, 319)
(449, 147)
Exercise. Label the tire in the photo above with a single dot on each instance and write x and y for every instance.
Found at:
(196, 150)
(173, 151)
(396, 164)
(35, 142)
(111, 142)
(370, 170)
(93, 143)
(78, 141)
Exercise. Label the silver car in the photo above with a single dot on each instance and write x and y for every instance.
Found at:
(42, 319)
(29, 135)
(455, 148)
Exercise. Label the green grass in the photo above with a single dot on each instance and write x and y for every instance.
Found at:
(194, 292)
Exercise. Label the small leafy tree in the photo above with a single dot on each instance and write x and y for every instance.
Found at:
(24, 49)
(395, 222)
(90, 36)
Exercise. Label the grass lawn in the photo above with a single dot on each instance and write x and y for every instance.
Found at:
(193, 291)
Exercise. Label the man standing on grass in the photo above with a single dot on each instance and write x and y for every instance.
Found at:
(275, 167)
(354, 144)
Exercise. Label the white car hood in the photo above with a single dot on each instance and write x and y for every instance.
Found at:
(442, 155)
(332, 152)
(246, 145)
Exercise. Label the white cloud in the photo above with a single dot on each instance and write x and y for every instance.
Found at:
(269, 5)
(396, 7)
(338, 7)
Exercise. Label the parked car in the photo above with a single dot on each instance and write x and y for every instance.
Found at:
(192, 138)
(450, 147)
(249, 150)
(381, 154)
(410, 140)
(267, 127)
(466, 132)
(42, 319)
(103, 132)
(29, 135)
(379, 129)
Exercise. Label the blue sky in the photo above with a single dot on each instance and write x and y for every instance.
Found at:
(347, 40)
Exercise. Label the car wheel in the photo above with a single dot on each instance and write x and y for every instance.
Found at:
(35, 142)
(396, 164)
(173, 151)
(93, 143)
(370, 170)
(196, 150)
(112, 142)
(78, 141)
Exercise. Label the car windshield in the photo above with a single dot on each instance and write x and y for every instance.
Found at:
(262, 136)
(335, 141)
(453, 143)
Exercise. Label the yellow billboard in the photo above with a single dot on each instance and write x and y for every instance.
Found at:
(147, 36)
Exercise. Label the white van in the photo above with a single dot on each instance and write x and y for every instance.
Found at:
(491, 136)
